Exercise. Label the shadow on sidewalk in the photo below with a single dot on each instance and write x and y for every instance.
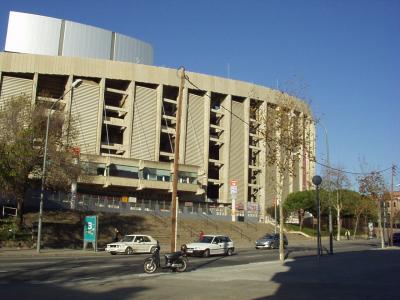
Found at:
(352, 275)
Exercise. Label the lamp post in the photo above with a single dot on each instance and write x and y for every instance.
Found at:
(75, 84)
(317, 180)
(329, 191)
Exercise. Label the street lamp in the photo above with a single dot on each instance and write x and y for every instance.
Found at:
(317, 180)
(75, 84)
(329, 191)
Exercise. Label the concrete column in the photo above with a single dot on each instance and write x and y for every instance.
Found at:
(246, 107)
(312, 150)
(262, 199)
(298, 179)
(34, 88)
(68, 104)
(102, 87)
(227, 122)
(68, 98)
(207, 113)
(129, 118)
(159, 113)
(184, 116)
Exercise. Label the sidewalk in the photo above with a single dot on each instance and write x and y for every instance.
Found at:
(351, 275)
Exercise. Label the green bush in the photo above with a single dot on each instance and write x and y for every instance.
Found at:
(9, 231)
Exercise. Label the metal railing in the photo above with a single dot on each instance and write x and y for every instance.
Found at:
(240, 231)
(209, 221)
(251, 224)
(188, 229)
(116, 204)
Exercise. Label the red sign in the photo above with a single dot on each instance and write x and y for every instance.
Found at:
(233, 182)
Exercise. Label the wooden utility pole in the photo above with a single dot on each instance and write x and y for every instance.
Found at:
(174, 206)
(391, 207)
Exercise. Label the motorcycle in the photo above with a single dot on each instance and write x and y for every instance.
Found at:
(176, 261)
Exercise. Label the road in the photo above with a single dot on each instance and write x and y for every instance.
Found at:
(103, 276)
(98, 266)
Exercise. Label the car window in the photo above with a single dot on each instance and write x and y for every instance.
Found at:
(127, 238)
(268, 236)
(206, 239)
(225, 239)
(146, 239)
(139, 239)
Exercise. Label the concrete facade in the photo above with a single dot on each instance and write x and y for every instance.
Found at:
(125, 116)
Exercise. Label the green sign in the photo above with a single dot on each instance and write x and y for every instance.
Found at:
(90, 229)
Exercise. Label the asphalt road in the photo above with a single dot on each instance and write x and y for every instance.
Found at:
(102, 276)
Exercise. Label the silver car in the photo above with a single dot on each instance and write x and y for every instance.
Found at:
(270, 241)
(133, 243)
(211, 244)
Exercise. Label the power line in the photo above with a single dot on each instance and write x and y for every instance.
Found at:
(321, 164)
(352, 173)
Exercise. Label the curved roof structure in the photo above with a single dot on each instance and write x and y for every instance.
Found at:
(34, 34)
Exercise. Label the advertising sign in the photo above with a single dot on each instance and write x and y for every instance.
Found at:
(234, 187)
(90, 231)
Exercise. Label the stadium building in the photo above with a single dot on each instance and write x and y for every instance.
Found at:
(125, 114)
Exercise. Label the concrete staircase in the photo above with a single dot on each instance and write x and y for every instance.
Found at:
(244, 234)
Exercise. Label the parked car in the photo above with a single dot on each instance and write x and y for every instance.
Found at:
(270, 241)
(133, 243)
(211, 245)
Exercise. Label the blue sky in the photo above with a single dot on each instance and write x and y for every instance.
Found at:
(343, 56)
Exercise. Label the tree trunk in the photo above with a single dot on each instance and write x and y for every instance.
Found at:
(281, 221)
(380, 225)
(339, 223)
(338, 210)
(20, 211)
(356, 225)
(301, 219)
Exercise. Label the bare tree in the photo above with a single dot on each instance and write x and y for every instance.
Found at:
(22, 134)
(286, 136)
(373, 185)
(336, 181)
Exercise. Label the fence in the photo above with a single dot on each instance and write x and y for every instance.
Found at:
(100, 203)
(119, 204)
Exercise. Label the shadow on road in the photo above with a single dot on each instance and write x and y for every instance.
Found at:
(205, 264)
(21, 290)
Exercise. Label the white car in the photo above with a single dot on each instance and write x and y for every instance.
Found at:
(133, 243)
(211, 245)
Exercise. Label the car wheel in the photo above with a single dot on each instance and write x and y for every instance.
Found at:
(229, 252)
(129, 251)
(206, 253)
